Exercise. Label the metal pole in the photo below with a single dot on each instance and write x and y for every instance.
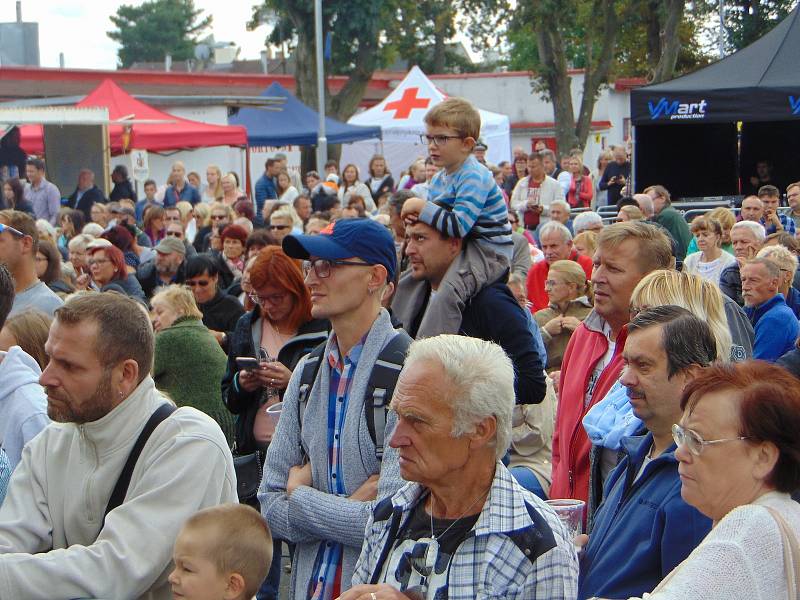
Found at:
(322, 141)
(722, 28)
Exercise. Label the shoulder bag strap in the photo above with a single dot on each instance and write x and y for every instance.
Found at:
(791, 554)
(121, 488)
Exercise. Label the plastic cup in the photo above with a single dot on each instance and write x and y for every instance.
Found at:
(571, 514)
(274, 413)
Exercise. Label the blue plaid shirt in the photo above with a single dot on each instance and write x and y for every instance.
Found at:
(786, 221)
(488, 563)
(329, 557)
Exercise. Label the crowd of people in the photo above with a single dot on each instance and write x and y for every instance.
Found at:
(404, 378)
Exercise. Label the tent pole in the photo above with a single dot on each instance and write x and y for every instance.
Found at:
(322, 142)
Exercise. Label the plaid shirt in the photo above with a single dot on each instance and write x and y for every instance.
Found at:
(488, 563)
(786, 221)
(329, 558)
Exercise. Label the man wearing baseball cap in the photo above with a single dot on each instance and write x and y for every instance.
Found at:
(165, 268)
(479, 150)
(328, 463)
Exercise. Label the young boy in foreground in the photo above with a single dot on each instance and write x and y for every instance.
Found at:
(222, 553)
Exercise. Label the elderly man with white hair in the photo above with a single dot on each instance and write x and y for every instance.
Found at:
(747, 237)
(587, 221)
(461, 528)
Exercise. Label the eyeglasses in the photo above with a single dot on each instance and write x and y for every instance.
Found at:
(551, 283)
(278, 227)
(218, 217)
(11, 230)
(694, 442)
(197, 282)
(272, 299)
(322, 266)
(97, 261)
(176, 234)
(438, 140)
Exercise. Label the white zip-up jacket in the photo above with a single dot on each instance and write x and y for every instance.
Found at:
(53, 543)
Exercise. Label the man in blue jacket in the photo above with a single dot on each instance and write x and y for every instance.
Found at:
(644, 529)
(435, 296)
(775, 325)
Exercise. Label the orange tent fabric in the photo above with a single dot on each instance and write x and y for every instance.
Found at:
(178, 134)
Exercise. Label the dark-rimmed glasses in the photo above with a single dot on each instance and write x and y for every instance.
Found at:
(438, 140)
(322, 266)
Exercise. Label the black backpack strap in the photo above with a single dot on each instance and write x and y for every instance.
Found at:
(307, 378)
(121, 487)
(380, 387)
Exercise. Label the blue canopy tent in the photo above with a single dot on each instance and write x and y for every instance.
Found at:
(294, 124)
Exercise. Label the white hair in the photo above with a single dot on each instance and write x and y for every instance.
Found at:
(93, 229)
(480, 377)
(562, 203)
(288, 212)
(585, 220)
(782, 256)
(80, 241)
(645, 203)
(44, 225)
(757, 229)
(555, 227)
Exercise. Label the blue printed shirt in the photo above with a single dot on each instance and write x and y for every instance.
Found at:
(329, 557)
(469, 200)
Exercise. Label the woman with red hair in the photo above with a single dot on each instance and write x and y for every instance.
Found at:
(107, 272)
(278, 332)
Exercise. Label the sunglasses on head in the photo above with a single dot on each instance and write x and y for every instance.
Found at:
(11, 230)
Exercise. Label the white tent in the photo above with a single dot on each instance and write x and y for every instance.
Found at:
(400, 117)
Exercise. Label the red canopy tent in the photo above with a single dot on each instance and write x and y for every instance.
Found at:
(175, 134)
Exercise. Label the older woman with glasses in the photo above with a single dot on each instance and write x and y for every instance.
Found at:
(277, 333)
(108, 272)
(739, 461)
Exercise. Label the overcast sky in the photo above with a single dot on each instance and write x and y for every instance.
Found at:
(78, 28)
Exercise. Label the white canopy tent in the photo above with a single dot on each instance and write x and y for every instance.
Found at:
(400, 117)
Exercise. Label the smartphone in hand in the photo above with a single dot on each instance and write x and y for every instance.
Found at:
(247, 363)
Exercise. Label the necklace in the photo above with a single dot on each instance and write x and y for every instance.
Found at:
(435, 537)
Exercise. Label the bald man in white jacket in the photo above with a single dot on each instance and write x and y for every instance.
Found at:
(54, 541)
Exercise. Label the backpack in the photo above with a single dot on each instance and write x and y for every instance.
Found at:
(380, 387)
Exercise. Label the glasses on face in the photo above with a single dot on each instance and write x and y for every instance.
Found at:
(11, 230)
(197, 282)
(218, 217)
(322, 266)
(278, 227)
(438, 140)
(694, 441)
(176, 234)
(551, 283)
(97, 261)
(272, 299)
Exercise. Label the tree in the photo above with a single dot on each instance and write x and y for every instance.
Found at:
(748, 20)
(153, 29)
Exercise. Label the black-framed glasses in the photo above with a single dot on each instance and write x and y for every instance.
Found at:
(218, 217)
(11, 230)
(176, 234)
(278, 227)
(322, 266)
(197, 282)
(438, 140)
(695, 442)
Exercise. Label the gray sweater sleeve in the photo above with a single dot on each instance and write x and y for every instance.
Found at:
(313, 511)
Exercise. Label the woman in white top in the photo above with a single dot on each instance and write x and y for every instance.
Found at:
(212, 191)
(711, 260)
(230, 190)
(351, 186)
(739, 459)
(286, 191)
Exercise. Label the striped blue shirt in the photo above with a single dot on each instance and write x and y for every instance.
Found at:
(469, 202)
(5, 475)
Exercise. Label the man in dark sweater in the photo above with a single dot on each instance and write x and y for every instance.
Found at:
(220, 311)
(670, 219)
(86, 194)
(616, 175)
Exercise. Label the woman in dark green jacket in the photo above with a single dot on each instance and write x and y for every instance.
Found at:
(188, 363)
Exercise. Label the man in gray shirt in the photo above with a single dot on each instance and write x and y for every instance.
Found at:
(45, 198)
(19, 241)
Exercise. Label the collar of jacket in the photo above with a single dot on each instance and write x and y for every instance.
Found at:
(756, 312)
(582, 301)
(503, 512)
(638, 446)
(122, 425)
(595, 323)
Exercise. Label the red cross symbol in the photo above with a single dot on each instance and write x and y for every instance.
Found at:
(407, 103)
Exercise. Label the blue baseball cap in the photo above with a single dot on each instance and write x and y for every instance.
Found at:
(361, 238)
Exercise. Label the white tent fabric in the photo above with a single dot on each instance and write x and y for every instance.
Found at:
(400, 117)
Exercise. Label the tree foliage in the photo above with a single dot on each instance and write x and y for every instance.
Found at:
(748, 20)
(153, 29)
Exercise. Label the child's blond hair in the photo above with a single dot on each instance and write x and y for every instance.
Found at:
(237, 540)
(457, 114)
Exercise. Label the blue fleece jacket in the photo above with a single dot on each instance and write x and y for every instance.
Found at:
(23, 404)
(776, 327)
(643, 528)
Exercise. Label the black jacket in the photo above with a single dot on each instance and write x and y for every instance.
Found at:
(90, 196)
(123, 189)
(222, 313)
(791, 362)
(149, 280)
(245, 404)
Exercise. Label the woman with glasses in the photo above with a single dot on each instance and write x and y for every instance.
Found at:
(220, 216)
(278, 332)
(283, 222)
(739, 461)
(188, 363)
(108, 272)
(221, 311)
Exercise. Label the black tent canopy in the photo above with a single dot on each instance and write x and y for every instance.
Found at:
(702, 134)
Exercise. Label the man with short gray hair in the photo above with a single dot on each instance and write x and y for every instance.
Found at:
(747, 237)
(587, 221)
(462, 527)
(556, 244)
